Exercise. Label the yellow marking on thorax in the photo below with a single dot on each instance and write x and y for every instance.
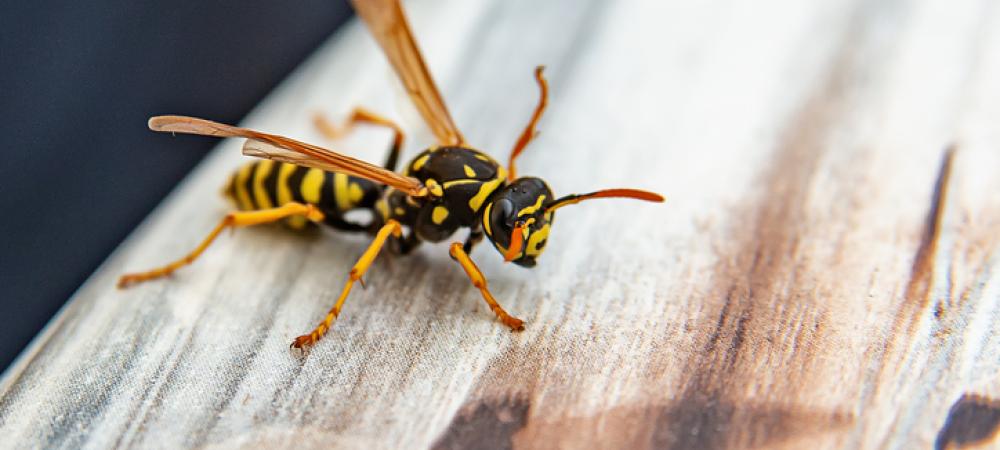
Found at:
(259, 193)
(382, 206)
(483, 157)
(531, 209)
(434, 188)
(439, 214)
(486, 189)
(311, 186)
(399, 211)
(448, 184)
(340, 192)
(242, 196)
(468, 171)
(535, 238)
(420, 162)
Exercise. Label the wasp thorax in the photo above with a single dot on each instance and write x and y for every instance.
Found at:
(519, 208)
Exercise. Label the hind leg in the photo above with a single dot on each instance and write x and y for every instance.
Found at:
(362, 115)
(232, 220)
(529, 131)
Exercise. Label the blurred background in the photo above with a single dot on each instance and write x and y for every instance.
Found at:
(78, 82)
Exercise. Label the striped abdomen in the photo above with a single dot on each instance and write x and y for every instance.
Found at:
(268, 184)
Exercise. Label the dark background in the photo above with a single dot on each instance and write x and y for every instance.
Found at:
(78, 80)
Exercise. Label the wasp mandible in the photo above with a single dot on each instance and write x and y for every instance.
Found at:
(444, 188)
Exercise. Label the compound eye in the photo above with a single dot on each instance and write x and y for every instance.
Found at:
(501, 217)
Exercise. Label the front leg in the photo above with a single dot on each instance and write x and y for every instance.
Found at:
(475, 236)
(479, 281)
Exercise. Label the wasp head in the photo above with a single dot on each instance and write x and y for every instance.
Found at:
(517, 222)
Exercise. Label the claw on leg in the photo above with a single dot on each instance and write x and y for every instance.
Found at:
(232, 220)
(479, 281)
(392, 228)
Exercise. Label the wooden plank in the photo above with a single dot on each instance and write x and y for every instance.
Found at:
(824, 275)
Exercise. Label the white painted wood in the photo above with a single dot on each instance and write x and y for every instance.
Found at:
(805, 285)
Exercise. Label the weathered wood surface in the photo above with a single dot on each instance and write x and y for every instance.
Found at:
(824, 275)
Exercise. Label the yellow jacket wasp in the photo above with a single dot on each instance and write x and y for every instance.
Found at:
(444, 188)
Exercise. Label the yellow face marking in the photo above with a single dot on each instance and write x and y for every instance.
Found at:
(312, 183)
(468, 171)
(531, 209)
(420, 162)
(242, 196)
(355, 193)
(434, 188)
(486, 219)
(486, 189)
(340, 193)
(534, 239)
(259, 193)
(439, 214)
(399, 211)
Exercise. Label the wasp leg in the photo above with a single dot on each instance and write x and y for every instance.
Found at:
(406, 244)
(529, 132)
(475, 236)
(390, 228)
(234, 220)
(361, 115)
(479, 281)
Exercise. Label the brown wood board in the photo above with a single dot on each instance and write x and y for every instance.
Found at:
(824, 273)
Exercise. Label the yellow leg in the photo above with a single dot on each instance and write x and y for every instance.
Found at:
(361, 115)
(234, 220)
(390, 228)
(479, 281)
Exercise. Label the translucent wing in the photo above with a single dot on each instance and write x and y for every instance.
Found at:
(280, 148)
(387, 23)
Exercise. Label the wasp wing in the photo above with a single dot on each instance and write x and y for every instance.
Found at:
(323, 159)
(386, 21)
(280, 148)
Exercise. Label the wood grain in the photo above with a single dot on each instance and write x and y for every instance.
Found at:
(824, 274)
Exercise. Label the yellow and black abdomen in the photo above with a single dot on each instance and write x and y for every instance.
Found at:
(269, 184)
